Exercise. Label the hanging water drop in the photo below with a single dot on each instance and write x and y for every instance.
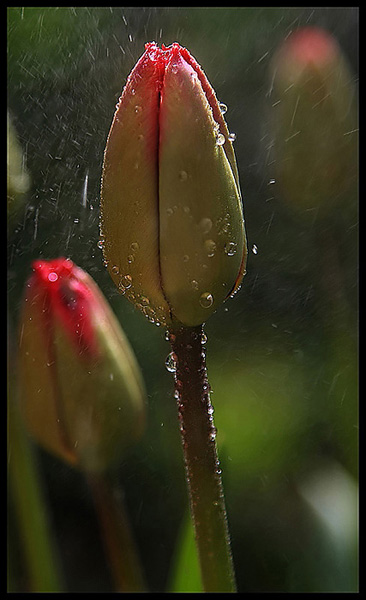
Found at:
(223, 108)
(220, 139)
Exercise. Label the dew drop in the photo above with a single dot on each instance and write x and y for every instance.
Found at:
(134, 246)
(115, 269)
(52, 277)
(220, 139)
(100, 244)
(254, 249)
(232, 137)
(130, 258)
(223, 108)
(210, 247)
(171, 362)
(185, 258)
(203, 338)
(206, 300)
(205, 225)
(183, 175)
(271, 181)
(126, 281)
(169, 212)
(194, 284)
(138, 108)
(231, 248)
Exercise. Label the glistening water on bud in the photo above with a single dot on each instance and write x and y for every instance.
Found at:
(173, 207)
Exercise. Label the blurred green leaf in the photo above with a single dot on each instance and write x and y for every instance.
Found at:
(185, 574)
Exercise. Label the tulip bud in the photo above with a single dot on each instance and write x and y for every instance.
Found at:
(171, 212)
(82, 392)
(314, 121)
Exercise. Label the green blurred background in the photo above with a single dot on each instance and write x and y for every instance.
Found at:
(282, 354)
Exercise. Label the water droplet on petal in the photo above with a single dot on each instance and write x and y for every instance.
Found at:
(194, 284)
(134, 246)
(232, 137)
(223, 108)
(171, 362)
(205, 225)
(126, 281)
(254, 249)
(206, 300)
(115, 269)
(138, 108)
(183, 176)
(52, 277)
(210, 247)
(230, 248)
(220, 139)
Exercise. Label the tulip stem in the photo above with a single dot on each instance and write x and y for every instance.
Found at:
(203, 473)
(117, 535)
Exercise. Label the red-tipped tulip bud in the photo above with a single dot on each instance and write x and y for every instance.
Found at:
(315, 131)
(171, 212)
(82, 393)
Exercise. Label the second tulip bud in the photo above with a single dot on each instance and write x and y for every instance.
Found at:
(172, 223)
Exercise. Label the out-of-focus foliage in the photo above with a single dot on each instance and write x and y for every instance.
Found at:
(17, 176)
(282, 355)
